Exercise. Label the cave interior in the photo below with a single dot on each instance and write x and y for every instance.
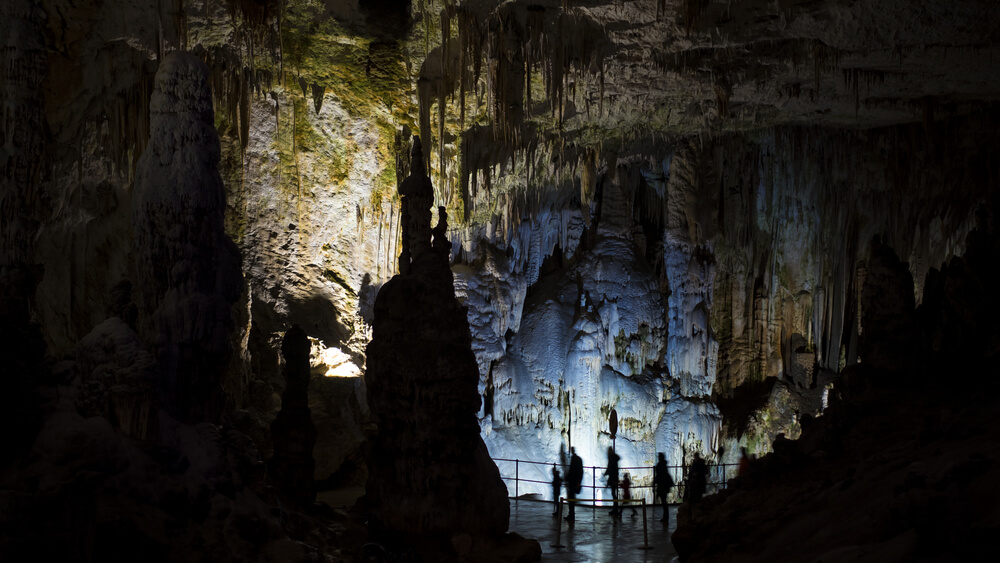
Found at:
(255, 254)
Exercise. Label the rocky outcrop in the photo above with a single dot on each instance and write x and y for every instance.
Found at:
(430, 476)
(83, 492)
(900, 466)
(887, 303)
(22, 68)
(22, 126)
(118, 378)
(293, 434)
(187, 268)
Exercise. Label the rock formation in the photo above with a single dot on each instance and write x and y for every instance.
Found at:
(22, 68)
(119, 378)
(430, 476)
(887, 340)
(188, 269)
(900, 466)
(292, 431)
(677, 196)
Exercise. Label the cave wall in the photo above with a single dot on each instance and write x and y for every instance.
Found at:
(749, 249)
(566, 143)
(307, 164)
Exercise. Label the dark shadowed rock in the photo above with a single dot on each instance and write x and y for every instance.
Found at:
(891, 471)
(887, 305)
(187, 268)
(430, 476)
(120, 375)
(292, 431)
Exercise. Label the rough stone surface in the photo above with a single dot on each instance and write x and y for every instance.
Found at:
(890, 472)
(188, 269)
(747, 152)
(758, 244)
(121, 377)
(22, 60)
(660, 87)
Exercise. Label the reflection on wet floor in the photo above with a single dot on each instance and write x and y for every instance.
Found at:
(595, 536)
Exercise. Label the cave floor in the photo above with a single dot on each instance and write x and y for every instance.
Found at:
(594, 536)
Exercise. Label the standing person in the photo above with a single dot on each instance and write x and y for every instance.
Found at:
(556, 489)
(662, 483)
(696, 478)
(574, 482)
(612, 474)
(627, 493)
(744, 462)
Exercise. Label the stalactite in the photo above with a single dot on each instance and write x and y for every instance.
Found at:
(126, 120)
(445, 187)
(233, 83)
(317, 96)
(424, 94)
(445, 17)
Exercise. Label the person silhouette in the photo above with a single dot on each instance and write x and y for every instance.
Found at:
(696, 479)
(556, 489)
(744, 462)
(627, 493)
(662, 483)
(574, 482)
(612, 474)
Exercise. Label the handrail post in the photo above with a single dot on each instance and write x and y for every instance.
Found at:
(645, 532)
(559, 525)
(593, 486)
(517, 473)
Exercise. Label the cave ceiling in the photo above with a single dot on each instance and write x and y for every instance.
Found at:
(624, 73)
(620, 76)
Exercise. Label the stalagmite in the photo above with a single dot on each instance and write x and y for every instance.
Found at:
(187, 267)
(292, 431)
(430, 476)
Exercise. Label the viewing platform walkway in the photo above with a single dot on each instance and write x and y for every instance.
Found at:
(595, 535)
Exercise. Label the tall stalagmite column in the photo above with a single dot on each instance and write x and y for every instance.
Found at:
(292, 431)
(188, 270)
(430, 475)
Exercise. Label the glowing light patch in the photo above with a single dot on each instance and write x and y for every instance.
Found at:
(332, 362)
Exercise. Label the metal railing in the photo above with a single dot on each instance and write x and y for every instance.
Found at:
(718, 475)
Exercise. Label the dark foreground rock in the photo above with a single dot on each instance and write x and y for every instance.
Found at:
(431, 481)
(904, 464)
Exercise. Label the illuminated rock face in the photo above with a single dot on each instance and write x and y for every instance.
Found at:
(591, 337)
(750, 273)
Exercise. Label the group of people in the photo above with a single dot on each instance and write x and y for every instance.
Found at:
(662, 483)
(697, 477)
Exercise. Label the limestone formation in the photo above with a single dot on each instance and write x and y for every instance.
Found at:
(22, 69)
(430, 476)
(417, 197)
(292, 432)
(901, 466)
(121, 375)
(23, 60)
(887, 304)
(188, 270)
(677, 196)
